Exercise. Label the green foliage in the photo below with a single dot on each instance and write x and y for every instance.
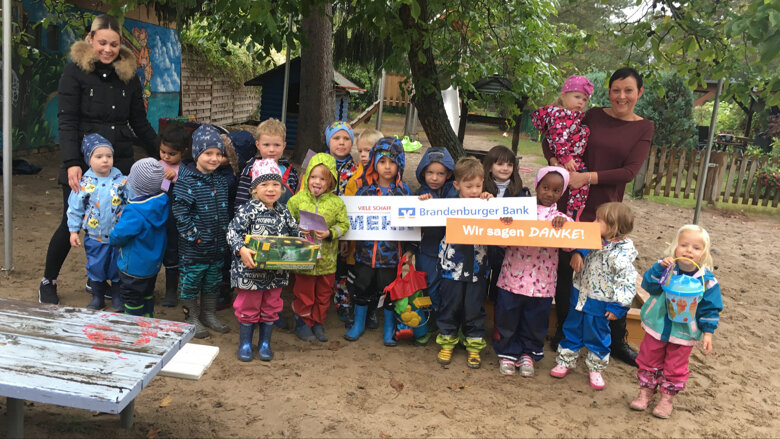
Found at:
(730, 118)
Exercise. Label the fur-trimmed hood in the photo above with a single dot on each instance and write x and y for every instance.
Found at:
(125, 65)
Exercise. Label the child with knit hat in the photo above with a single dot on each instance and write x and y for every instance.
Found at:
(566, 135)
(258, 292)
(141, 236)
(200, 205)
(339, 139)
(96, 209)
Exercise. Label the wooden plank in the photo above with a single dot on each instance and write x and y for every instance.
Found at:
(772, 165)
(650, 170)
(91, 328)
(695, 156)
(661, 170)
(670, 170)
(751, 174)
(680, 167)
(740, 176)
(730, 177)
(757, 193)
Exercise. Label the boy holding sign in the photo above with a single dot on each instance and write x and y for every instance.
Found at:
(464, 270)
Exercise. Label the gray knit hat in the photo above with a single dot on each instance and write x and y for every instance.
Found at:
(146, 177)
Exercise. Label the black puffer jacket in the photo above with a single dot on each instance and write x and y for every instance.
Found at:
(105, 99)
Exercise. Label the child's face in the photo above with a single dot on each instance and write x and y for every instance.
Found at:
(436, 175)
(603, 228)
(502, 171)
(270, 147)
(574, 100)
(169, 155)
(364, 149)
(549, 189)
(469, 188)
(101, 161)
(268, 192)
(340, 144)
(689, 245)
(209, 160)
(387, 169)
(319, 180)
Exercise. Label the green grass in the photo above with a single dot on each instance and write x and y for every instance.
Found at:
(524, 147)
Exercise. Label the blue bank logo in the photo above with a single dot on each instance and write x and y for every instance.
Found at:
(406, 212)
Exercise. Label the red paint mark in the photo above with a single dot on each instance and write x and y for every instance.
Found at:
(95, 334)
(115, 351)
(143, 341)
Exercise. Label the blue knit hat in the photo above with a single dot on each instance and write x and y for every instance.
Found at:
(336, 127)
(91, 142)
(205, 137)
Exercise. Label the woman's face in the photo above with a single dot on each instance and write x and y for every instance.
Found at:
(106, 45)
(623, 94)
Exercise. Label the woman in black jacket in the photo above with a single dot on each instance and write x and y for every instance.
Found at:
(99, 92)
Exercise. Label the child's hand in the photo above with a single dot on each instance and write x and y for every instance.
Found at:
(170, 174)
(344, 248)
(424, 197)
(570, 166)
(74, 239)
(610, 316)
(305, 233)
(247, 257)
(321, 234)
(558, 222)
(506, 220)
(486, 195)
(667, 261)
(576, 262)
(706, 343)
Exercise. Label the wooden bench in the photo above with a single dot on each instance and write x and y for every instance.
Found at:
(80, 358)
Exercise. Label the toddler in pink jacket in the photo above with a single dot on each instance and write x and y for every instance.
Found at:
(526, 285)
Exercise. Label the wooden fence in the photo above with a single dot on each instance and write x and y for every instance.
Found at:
(731, 178)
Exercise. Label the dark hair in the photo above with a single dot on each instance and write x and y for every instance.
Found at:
(502, 154)
(625, 72)
(176, 136)
(105, 21)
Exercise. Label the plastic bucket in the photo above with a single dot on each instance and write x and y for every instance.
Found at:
(683, 295)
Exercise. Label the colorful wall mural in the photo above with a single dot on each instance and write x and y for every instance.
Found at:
(157, 48)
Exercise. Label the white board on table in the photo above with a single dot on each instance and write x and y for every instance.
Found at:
(191, 361)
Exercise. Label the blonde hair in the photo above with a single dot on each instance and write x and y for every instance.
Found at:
(230, 153)
(618, 218)
(369, 135)
(706, 255)
(271, 127)
(104, 21)
(468, 168)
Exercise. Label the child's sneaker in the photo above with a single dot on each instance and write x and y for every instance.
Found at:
(506, 367)
(526, 365)
(474, 361)
(560, 371)
(444, 356)
(596, 380)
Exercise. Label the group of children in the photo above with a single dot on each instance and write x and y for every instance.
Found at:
(128, 251)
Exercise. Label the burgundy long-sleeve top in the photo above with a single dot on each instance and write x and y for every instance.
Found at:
(616, 150)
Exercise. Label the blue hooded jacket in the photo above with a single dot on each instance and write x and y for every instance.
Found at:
(431, 236)
(141, 235)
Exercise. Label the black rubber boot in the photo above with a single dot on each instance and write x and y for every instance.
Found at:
(620, 349)
(98, 295)
(171, 298)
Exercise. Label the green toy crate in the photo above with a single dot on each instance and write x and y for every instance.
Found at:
(282, 252)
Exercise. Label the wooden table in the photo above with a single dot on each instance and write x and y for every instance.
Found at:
(80, 358)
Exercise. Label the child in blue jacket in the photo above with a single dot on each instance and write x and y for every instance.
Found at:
(141, 237)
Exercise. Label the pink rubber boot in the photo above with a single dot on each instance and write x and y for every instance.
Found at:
(664, 407)
(642, 400)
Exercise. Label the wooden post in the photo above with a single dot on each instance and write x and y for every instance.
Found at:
(464, 115)
(126, 416)
(15, 418)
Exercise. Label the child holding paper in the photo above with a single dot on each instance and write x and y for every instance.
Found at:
(258, 299)
(526, 285)
(376, 261)
(313, 288)
(464, 270)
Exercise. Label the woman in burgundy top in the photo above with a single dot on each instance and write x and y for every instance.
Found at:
(619, 143)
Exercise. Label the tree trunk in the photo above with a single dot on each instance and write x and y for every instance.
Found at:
(427, 91)
(316, 104)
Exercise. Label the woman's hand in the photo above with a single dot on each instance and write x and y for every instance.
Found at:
(576, 262)
(578, 179)
(247, 257)
(74, 177)
(706, 342)
(74, 239)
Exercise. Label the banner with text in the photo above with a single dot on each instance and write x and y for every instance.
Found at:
(410, 211)
(523, 233)
(369, 220)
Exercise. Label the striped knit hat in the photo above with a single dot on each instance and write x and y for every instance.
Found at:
(146, 177)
